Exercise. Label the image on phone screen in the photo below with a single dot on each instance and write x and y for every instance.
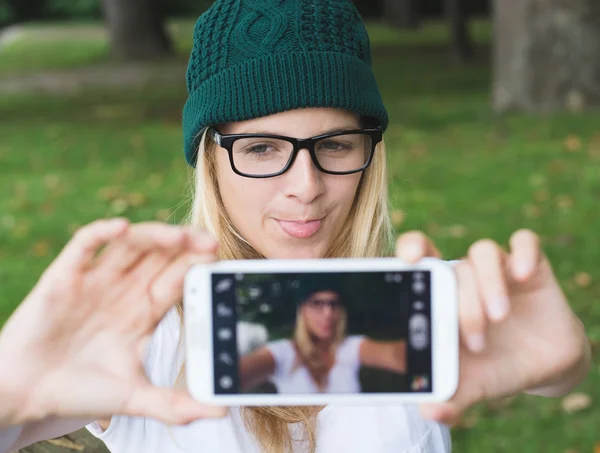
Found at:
(338, 332)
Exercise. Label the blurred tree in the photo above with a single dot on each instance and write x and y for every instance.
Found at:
(546, 54)
(22, 10)
(401, 13)
(137, 29)
(457, 16)
(73, 8)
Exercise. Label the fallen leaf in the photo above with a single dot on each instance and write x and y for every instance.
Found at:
(20, 189)
(433, 229)
(573, 143)
(537, 180)
(73, 227)
(51, 181)
(418, 151)
(136, 199)
(594, 149)
(583, 279)
(41, 248)
(397, 217)
(155, 180)
(48, 208)
(500, 404)
(531, 211)
(8, 221)
(557, 166)
(576, 402)
(137, 141)
(66, 443)
(163, 215)
(109, 193)
(20, 230)
(468, 421)
(457, 231)
(597, 447)
(564, 240)
(564, 202)
(119, 206)
(541, 195)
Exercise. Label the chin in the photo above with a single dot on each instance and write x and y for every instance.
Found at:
(296, 251)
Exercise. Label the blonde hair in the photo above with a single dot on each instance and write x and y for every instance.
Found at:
(309, 355)
(366, 233)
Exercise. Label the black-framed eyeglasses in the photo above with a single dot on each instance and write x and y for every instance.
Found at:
(320, 304)
(266, 155)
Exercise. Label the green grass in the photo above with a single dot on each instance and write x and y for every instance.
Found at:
(459, 173)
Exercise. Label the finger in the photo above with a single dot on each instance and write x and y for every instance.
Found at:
(414, 245)
(173, 407)
(167, 288)
(487, 260)
(525, 254)
(121, 255)
(472, 317)
(81, 250)
(200, 241)
(154, 262)
(446, 413)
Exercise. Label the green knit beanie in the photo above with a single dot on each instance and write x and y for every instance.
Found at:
(254, 58)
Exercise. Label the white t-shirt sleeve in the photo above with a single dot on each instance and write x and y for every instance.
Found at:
(348, 352)
(284, 355)
(8, 437)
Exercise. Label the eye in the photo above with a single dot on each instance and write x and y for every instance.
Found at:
(257, 149)
(334, 145)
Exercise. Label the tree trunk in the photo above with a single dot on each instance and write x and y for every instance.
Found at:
(546, 55)
(401, 13)
(137, 29)
(462, 43)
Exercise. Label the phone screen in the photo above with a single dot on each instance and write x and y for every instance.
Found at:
(339, 332)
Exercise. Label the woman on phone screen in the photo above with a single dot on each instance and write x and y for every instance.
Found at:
(321, 357)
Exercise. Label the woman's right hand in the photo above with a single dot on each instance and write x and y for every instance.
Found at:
(74, 348)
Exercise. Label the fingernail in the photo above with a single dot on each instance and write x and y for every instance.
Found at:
(412, 252)
(498, 308)
(476, 342)
(522, 270)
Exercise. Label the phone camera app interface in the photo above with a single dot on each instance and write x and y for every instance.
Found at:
(313, 333)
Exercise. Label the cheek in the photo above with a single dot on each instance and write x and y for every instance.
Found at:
(244, 198)
(343, 190)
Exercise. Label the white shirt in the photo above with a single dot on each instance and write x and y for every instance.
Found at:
(291, 378)
(351, 429)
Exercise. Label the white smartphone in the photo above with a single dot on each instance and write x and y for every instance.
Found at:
(317, 332)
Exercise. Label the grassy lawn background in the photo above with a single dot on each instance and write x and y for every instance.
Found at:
(458, 172)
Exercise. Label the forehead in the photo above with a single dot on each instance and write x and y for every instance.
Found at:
(301, 123)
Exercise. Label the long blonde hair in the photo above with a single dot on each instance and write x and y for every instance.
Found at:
(366, 233)
(309, 354)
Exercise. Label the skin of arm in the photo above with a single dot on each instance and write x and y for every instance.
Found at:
(388, 355)
(256, 367)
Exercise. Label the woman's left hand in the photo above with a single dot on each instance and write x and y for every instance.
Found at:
(518, 332)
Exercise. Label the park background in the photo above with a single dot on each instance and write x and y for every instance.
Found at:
(494, 127)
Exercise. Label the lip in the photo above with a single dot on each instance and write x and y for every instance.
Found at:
(300, 229)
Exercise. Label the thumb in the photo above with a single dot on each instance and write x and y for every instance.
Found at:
(172, 407)
(448, 413)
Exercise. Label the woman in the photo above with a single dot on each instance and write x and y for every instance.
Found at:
(320, 357)
(264, 76)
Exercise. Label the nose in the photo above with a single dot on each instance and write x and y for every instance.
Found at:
(304, 179)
